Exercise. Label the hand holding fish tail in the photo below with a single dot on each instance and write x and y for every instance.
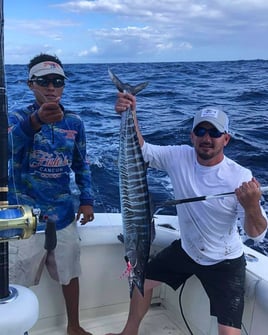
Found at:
(125, 101)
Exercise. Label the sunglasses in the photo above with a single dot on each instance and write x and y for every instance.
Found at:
(44, 82)
(213, 132)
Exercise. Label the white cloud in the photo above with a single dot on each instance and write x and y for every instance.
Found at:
(165, 30)
(86, 53)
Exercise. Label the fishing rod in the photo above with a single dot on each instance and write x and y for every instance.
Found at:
(4, 285)
(263, 189)
(17, 221)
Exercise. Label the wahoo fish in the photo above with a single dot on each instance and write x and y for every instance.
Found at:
(138, 225)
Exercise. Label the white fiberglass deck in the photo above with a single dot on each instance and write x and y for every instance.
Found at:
(156, 322)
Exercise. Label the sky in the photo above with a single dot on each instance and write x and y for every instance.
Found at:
(119, 31)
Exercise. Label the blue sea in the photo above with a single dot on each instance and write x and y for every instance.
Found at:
(165, 111)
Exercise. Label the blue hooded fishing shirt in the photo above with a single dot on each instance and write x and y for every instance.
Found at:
(41, 165)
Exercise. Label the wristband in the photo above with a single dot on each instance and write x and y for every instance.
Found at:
(37, 118)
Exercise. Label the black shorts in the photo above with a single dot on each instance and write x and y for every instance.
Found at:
(223, 282)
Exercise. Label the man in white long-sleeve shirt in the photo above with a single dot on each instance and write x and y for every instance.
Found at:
(210, 246)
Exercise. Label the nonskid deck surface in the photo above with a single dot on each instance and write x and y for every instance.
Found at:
(156, 322)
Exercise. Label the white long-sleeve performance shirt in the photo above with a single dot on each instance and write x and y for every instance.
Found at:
(208, 228)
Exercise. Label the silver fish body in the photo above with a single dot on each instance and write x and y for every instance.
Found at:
(138, 228)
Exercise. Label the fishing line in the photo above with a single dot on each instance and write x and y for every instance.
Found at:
(14, 103)
(184, 318)
(12, 170)
(181, 309)
(12, 151)
(244, 328)
(12, 160)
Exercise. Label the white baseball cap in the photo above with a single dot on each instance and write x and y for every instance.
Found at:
(213, 115)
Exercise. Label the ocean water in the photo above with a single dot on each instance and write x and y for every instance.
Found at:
(165, 111)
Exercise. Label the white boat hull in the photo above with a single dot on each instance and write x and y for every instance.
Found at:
(104, 296)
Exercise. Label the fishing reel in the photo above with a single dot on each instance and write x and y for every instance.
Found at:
(17, 221)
